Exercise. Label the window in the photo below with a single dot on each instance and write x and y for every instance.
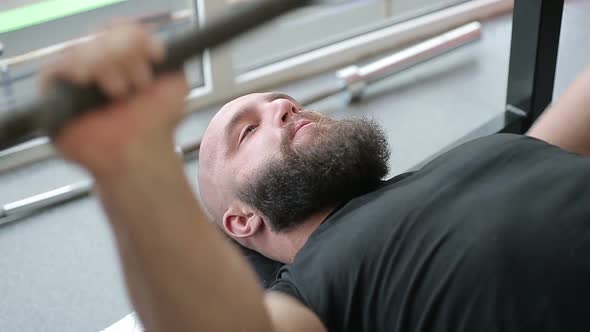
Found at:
(326, 36)
(24, 27)
(323, 24)
(304, 30)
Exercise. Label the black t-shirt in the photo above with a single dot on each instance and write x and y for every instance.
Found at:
(491, 236)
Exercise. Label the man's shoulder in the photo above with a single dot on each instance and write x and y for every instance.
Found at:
(497, 143)
(285, 283)
(494, 144)
(502, 139)
(496, 149)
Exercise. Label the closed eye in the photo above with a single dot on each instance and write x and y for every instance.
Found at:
(247, 131)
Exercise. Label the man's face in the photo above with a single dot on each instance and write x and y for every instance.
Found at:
(289, 163)
(256, 126)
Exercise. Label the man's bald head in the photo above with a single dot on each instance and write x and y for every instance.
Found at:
(265, 163)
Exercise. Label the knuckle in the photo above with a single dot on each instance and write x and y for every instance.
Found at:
(141, 71)
(137, 35)
(112, 84)
(125, 46)
(97, 64)
(70, 54)
(62, 66)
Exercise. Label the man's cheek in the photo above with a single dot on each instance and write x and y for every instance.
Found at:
(259, 151)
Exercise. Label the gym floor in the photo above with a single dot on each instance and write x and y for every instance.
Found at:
(60, 270)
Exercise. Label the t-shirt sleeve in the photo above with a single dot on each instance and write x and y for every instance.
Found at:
(266, 269)
(284, 284)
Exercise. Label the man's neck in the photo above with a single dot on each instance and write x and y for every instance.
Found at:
(290, 243)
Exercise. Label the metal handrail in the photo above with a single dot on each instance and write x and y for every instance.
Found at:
(18, 209)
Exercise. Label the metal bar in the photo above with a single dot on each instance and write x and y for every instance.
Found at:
(47, 199)
(536, 26)
(368, 74)
(6, 84)
(18, 209)
(27, 153)
(356, 78)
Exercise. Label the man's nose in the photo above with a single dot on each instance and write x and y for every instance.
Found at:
(283, 110)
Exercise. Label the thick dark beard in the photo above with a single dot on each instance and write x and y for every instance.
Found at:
(348, 158)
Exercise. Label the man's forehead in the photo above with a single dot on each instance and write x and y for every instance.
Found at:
(215, 131)
(224, 115)
(234, 105)
(218, 125)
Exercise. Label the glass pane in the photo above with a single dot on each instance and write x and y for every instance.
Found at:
(323, 24)
(412, 8)
(28, 26)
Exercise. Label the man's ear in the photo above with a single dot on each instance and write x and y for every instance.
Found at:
(241, 221)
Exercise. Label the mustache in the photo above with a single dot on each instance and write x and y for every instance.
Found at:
(319, 118)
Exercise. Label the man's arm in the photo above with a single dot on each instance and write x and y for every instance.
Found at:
(288, 315)
(567, 123)
(181, 274)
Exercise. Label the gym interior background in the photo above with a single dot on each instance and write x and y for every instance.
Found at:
(59, 268)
